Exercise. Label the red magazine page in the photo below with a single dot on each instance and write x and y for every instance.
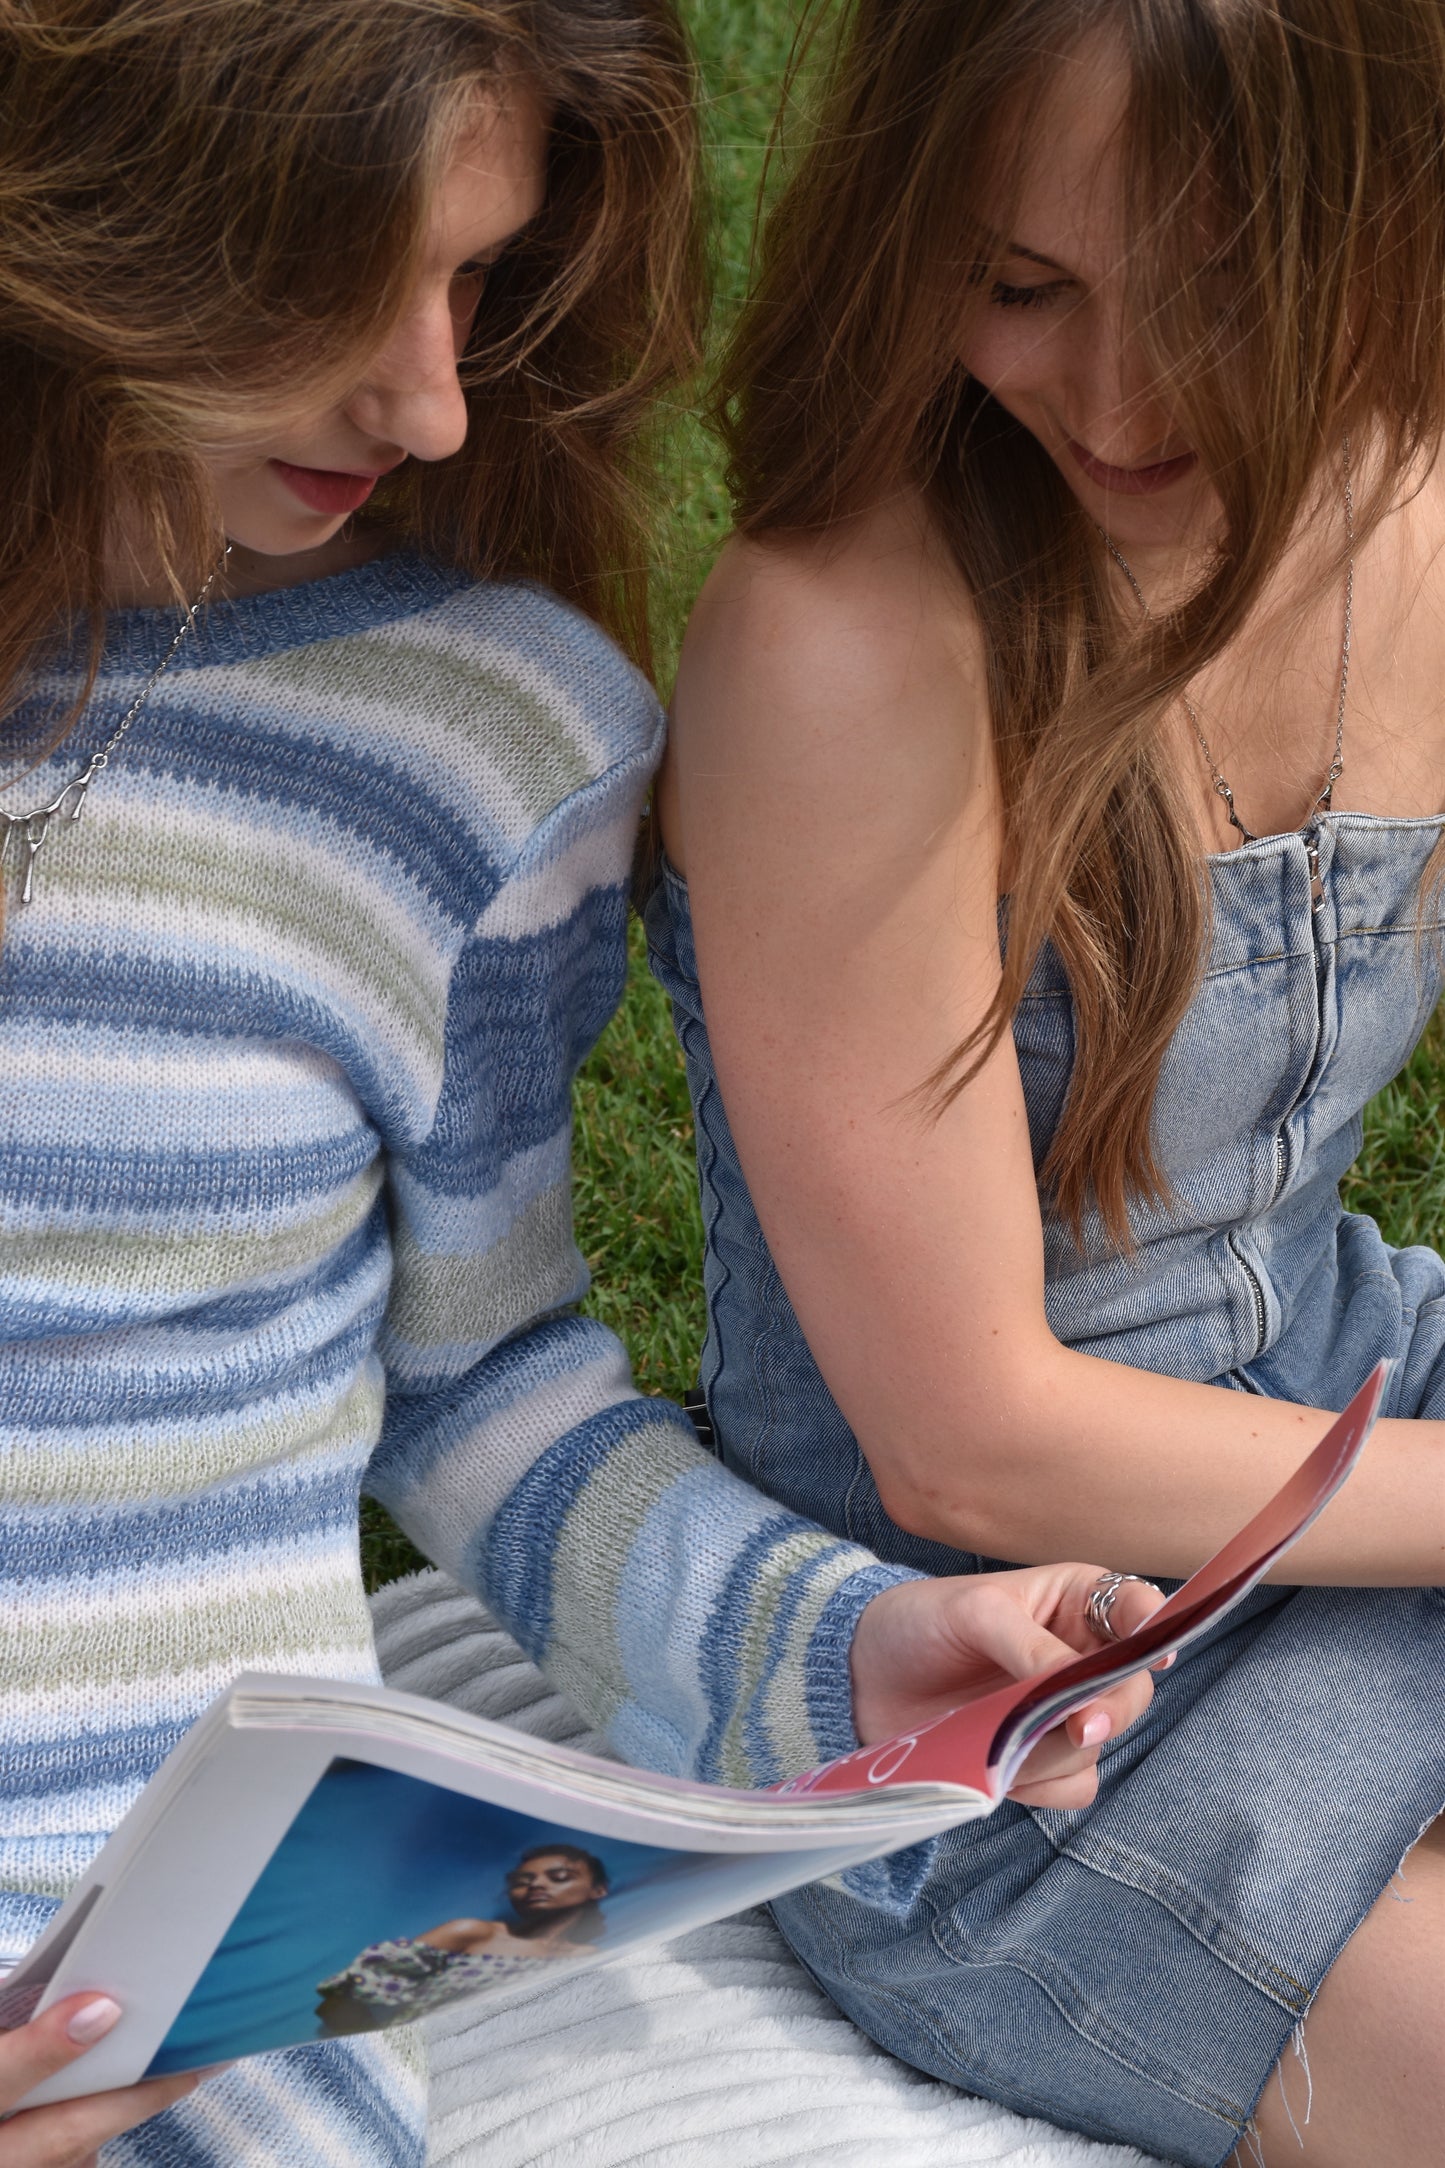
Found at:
(982, 1744)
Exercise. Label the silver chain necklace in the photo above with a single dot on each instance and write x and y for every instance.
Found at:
(33, 828)
(1322, 799)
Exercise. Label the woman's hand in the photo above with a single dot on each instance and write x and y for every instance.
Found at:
(922, 1647)
(69, 2134)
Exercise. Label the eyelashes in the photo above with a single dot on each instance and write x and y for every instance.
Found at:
(1023, 297)
(468, 287)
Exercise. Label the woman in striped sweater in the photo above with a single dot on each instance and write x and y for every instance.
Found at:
(328, 338)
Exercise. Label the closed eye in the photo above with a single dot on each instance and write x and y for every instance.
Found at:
(1026, 297)
(464, 295)
(476, 267)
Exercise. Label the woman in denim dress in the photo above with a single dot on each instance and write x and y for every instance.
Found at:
(1054, 836)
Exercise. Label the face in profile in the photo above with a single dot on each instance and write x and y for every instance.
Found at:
(295, 488)
(1051, 341)
(547, 1883)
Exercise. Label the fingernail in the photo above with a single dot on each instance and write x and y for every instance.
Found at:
(93, 2020)
(1096, 1727)
(1166, 1663)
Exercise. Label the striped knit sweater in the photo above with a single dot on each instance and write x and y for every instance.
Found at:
(286, 1042)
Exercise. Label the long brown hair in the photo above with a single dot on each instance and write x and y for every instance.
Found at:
(205, 204)
(1312, 132)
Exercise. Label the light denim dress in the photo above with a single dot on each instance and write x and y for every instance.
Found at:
(1133, 1970)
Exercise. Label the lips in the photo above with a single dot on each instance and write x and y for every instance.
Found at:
(325, 490)
(1133, 481)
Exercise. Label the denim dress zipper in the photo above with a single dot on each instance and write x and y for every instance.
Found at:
(1311, 840)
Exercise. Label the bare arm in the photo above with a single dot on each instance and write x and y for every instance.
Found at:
(832, 796)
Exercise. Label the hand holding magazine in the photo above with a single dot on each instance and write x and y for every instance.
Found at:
(316, 1858)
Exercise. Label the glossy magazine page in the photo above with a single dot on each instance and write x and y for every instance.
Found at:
(389, 1895)
(319, 1858)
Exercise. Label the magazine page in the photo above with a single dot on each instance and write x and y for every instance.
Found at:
(335, 1858)
(389, 1896)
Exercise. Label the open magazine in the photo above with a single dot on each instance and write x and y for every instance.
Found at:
(316, 1858)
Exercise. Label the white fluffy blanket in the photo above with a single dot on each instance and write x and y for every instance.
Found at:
(716, 2051)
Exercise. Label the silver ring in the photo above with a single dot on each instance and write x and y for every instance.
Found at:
(1098, 1611)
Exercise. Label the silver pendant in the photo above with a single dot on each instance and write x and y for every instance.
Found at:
(33, 828)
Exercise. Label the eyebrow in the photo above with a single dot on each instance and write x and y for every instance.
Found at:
(519, 233)
(1016, 248)
(1050, 263)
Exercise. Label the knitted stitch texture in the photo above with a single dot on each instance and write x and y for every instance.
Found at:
(286, 1046)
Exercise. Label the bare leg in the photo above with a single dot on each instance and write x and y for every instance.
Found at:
(1374, 2039)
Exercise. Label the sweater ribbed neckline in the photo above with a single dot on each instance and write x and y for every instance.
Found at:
(241, 628)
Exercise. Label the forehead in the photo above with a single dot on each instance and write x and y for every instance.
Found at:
(1069, 201)
(495, 178)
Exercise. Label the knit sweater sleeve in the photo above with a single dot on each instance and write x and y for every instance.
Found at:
(702, 1627)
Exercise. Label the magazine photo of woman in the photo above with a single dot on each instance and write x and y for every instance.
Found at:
(1052, 871)
(555, 1892)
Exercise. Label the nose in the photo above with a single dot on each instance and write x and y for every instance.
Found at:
(1119, 415)
(411, 395)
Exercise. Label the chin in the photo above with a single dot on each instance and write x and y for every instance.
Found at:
(271, 538)
(1131, 526)
(264, 519)
(1171, 521)
(1185, 517)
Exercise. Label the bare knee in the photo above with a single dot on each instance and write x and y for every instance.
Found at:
(1366, 2080)
(1432, 1837)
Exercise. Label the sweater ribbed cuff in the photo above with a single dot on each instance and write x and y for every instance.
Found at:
(827, 1676)
(892, 1883)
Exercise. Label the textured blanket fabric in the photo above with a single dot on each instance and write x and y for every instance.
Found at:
(716, 2051)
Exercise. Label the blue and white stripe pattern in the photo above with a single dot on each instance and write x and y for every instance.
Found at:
(286, 1046)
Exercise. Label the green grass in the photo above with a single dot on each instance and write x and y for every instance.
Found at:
(636, 1188)
(743, 47)
(637, 1212)
(1399, 1178)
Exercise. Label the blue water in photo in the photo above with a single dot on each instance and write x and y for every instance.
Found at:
(370, 1857)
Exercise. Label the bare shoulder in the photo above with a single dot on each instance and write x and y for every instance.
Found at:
(841, 631)
(454, 1935)
(829, 683)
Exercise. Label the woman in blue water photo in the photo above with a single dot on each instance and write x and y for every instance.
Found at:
(555, 1892)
